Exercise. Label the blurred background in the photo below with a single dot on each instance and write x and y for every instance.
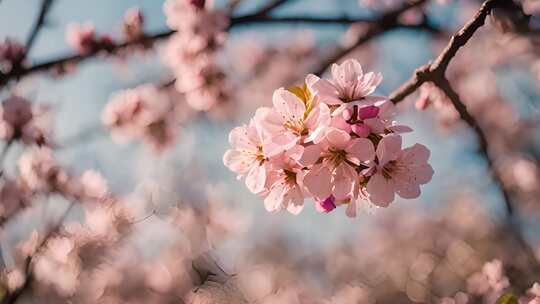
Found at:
(422, 250)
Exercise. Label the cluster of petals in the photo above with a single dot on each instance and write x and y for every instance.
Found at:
(84, 40)
(20, 120)
(40, 173)
(191, 51)
(142, 113)
(329, 140)
(491, 279)
(532, 296)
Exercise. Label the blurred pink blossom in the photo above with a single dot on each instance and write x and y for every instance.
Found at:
(143, 113)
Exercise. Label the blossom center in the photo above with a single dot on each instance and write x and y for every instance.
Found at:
(290, 176)
(336, 157)
(296, 126)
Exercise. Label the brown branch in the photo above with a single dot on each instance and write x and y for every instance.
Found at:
(44, 9)
(437, 69)
(435, 72)
(19, 72)
(483, 143)
(260, 17)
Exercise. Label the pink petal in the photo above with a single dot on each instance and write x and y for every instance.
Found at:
(343, 188)
(238, 138)
(361, 130)
(237, 161)
(279, 143)
(351, 209)
(327, 92)
(294, 199)
(310, 156)
(256, 179)
(273, 201)
(417, 154)
(423, 174)
(375, 124)
(380, 190)
(388, 149)
(311, 80)
(317, 182)
(337, 138)
(408, 191)
(288, 104)
(360, 150)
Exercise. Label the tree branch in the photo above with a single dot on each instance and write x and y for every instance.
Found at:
(483, 144)
(378, 25)
(45, 7)
(435, 72)
(437, 69)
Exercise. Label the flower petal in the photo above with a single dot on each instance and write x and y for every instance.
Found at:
(360, 150)
(380, 190)
(388, 149)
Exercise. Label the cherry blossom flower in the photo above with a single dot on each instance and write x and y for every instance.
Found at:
(292, 120)
(398, 171)
(336, 174)
(191, 51)
(533, 295)
(348, 83)
(93, 185)
(247, 157)
(40, 172)
(330, 141)
(286, 190)
(490, 280)
(143, 113)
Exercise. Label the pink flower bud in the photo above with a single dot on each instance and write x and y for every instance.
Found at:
(327, 205)
(361, 130)
(368, 112)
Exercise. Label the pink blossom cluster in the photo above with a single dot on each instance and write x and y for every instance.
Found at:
(191, 51)
(533, 295)
(19, 120)
(329, 140)
(11, 53)
(490, 281)
(40, 173)
(144, 113)
(84, 40)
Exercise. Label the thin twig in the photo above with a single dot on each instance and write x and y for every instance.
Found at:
(45, 7)
(483, 144)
